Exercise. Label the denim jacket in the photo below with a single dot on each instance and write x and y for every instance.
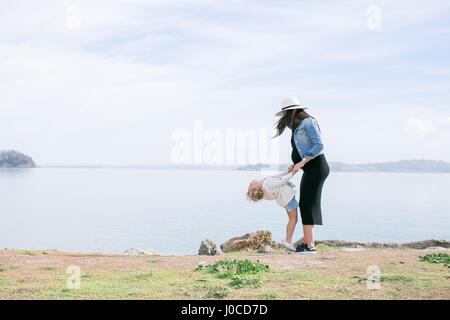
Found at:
(307, 139)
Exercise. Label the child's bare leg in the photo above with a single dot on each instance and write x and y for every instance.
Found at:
(291, 224)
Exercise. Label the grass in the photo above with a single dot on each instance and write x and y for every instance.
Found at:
(268, 296)
(227, 268)
(47, 268)
(241, 282)
(396, 278)
(330, 274)
(6, 268)
(248, 251)
(142, 276)
(217, 292)
(436, 258)
(324, 247)
(6, 281)
(26, 252)
(242, 274)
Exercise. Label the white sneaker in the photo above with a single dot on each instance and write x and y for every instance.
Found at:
(287, 245)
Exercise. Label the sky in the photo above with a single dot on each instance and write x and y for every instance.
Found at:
(111, 82)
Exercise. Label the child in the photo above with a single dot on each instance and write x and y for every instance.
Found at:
(278, 188)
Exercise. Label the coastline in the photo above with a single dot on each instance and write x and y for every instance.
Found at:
(337, 243)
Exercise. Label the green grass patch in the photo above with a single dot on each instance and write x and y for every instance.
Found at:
(6, 281)
(436, 258)
(229, 268)
(47, 268)
(6, 268)
(325, 247)
(344, 290)
(245, 281)
(27, 252)
(242, 273)
(217, 292)
(396, 278)
(268, 296)
(141, 276)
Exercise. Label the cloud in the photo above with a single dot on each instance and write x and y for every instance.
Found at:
(445, 121)
(420, 127)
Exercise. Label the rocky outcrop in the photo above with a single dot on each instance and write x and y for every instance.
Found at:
(208, 248)
(14, 159)
(249, 241)
(266, 249)
(412, 245)
(139, 252)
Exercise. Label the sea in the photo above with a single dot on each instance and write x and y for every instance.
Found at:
(110, 210)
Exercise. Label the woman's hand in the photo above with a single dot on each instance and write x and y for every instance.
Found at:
(291, 168)
(298, 166)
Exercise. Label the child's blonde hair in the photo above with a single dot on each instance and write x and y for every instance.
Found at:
(255, 194)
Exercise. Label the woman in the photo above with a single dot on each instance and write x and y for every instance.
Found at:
(307, 154)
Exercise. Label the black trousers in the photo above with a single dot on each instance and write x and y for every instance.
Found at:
(314, 174)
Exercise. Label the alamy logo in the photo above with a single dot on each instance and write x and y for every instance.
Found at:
(224, 147)
(73, 21)
(373, 21)
(73, 281)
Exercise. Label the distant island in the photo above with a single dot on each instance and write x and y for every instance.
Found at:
(419, 166)
(15, 159)
(396, 166)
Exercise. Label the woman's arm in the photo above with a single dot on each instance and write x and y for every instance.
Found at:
(314, 134)
(301, 164)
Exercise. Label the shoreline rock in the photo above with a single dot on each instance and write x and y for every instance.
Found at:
(139, 252)
(249, 241)
(266, 249)
(208, 248)
(422, 244)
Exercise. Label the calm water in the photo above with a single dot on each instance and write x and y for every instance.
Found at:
(172, 211)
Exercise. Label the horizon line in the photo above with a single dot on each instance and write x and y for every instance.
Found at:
(219, 165)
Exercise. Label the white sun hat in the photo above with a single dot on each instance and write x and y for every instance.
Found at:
(289, 104)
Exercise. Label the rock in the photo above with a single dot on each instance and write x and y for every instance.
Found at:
(436, 249)
(139, 252)
(426, 244)
(276, 245)
(353, 249)
(249, 241)
(150, 252)
(14, 159)
(208, 248)
(266, 249)
(412, 245)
